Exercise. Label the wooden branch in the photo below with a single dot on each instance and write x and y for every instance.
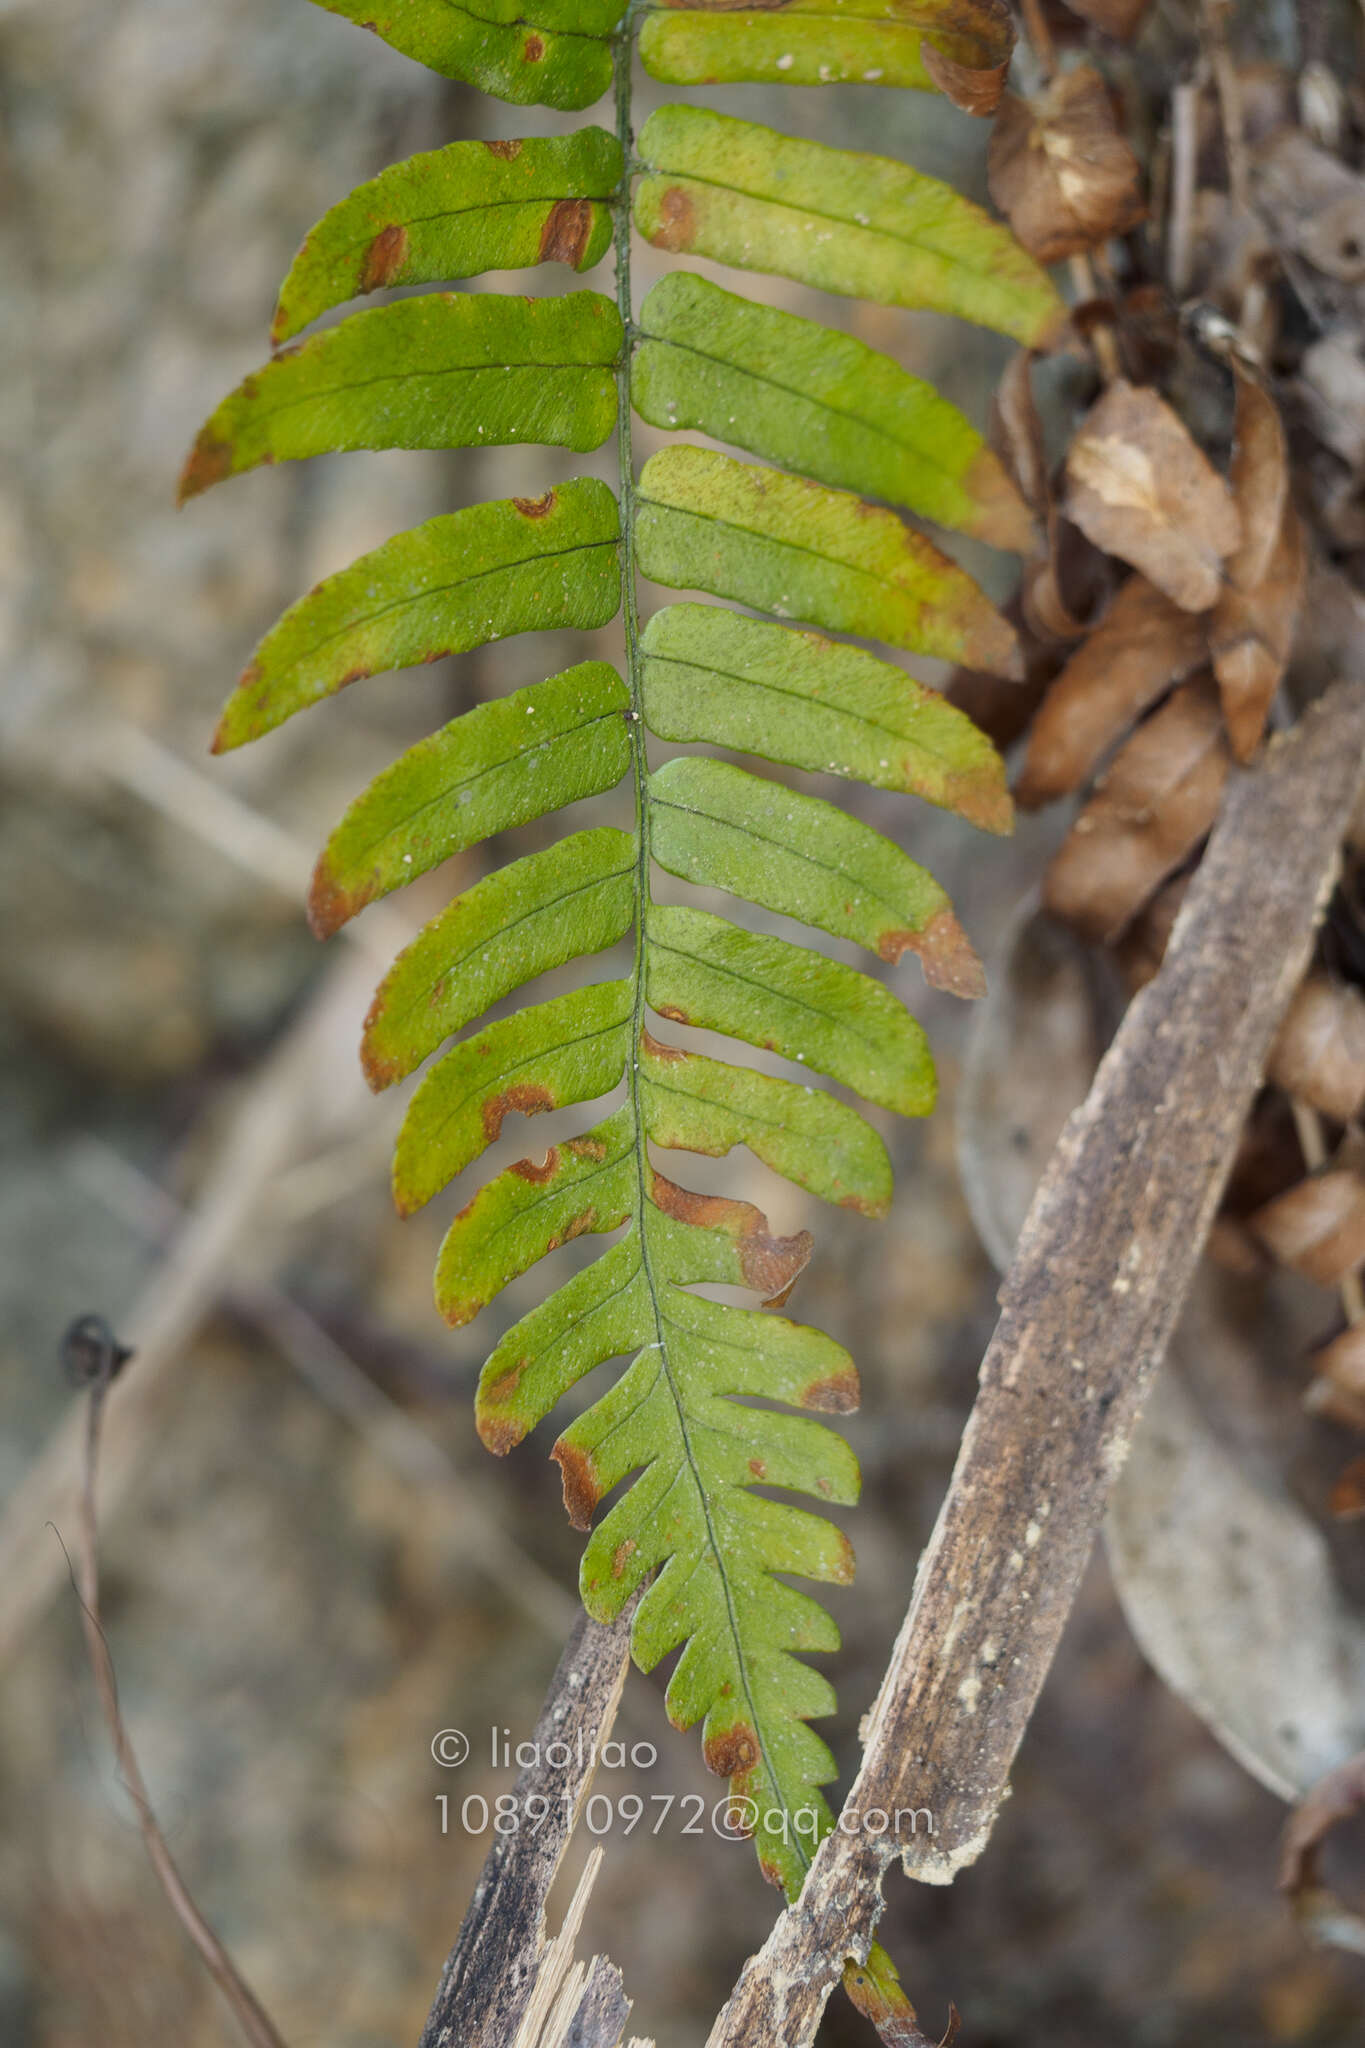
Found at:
(504, 1976)
(1101, 1271)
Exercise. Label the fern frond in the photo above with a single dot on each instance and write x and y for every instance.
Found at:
(800, 541)
(452, 212)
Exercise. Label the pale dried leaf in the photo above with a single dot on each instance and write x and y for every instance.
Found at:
(1332, 380)
(1032, 1050)
(1059, 169)
(1151, 809)
(1317, 1227)
(1142, 645)
(1224, 1579)
(1139, 487)
(1319, 1055)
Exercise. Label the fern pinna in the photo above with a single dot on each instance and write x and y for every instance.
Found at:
(813, 540)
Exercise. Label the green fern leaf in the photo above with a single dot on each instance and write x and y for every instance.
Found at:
(845, 425)
(694, 1104)
(863, 225)
(788, 696)
(574, 898)
(517, 565)
(473, 370)
(500, 765)
(525, 51)
(454, 212)
(702, 970)
(820, 403)
(565, 1051)
(822, 42)
(783, 545)
(796, 855)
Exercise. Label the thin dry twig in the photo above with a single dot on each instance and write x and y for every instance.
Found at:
(504, 1972)
(94, 1359)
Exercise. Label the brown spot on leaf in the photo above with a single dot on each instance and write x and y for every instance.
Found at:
(526, 1169)
(826, 1486)
(673, 1013)
(209, 462)
(677, 220)
(621, 1554)
(731, 1752)
(586, 1148)
(577, 1226)
(535, 508)
(945, 952)
(533, 49)
(564, 236)
(837, 1394)
(384, 258)
(758, 1468)
(506, 150)
(528, 1098)
(654, 1049)
(770, 1265)
(581, 1491)
(506, 1385)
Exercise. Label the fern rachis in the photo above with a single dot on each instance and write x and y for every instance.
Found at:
(797, 542)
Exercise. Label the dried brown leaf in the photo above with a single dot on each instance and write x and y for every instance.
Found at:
(1150, 811)
(1342, 1362)
(1319, 1912)
(1317, 1227)
(1253, 621)
(1016, 432)
(1139, 487)
(1118, 18)
(1142, 645)
(1251, 638)
(1347, 1499)
(1059, 169)
(1319, 1055)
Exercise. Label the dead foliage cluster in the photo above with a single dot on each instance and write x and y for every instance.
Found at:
(1203, 537)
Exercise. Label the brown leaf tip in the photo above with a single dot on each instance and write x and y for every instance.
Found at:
(499, 1433)
(209, 462)
(945, 952)
(330, 906)
(677, 220)
(581, 1491)
(385, 258)
(565, 234)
